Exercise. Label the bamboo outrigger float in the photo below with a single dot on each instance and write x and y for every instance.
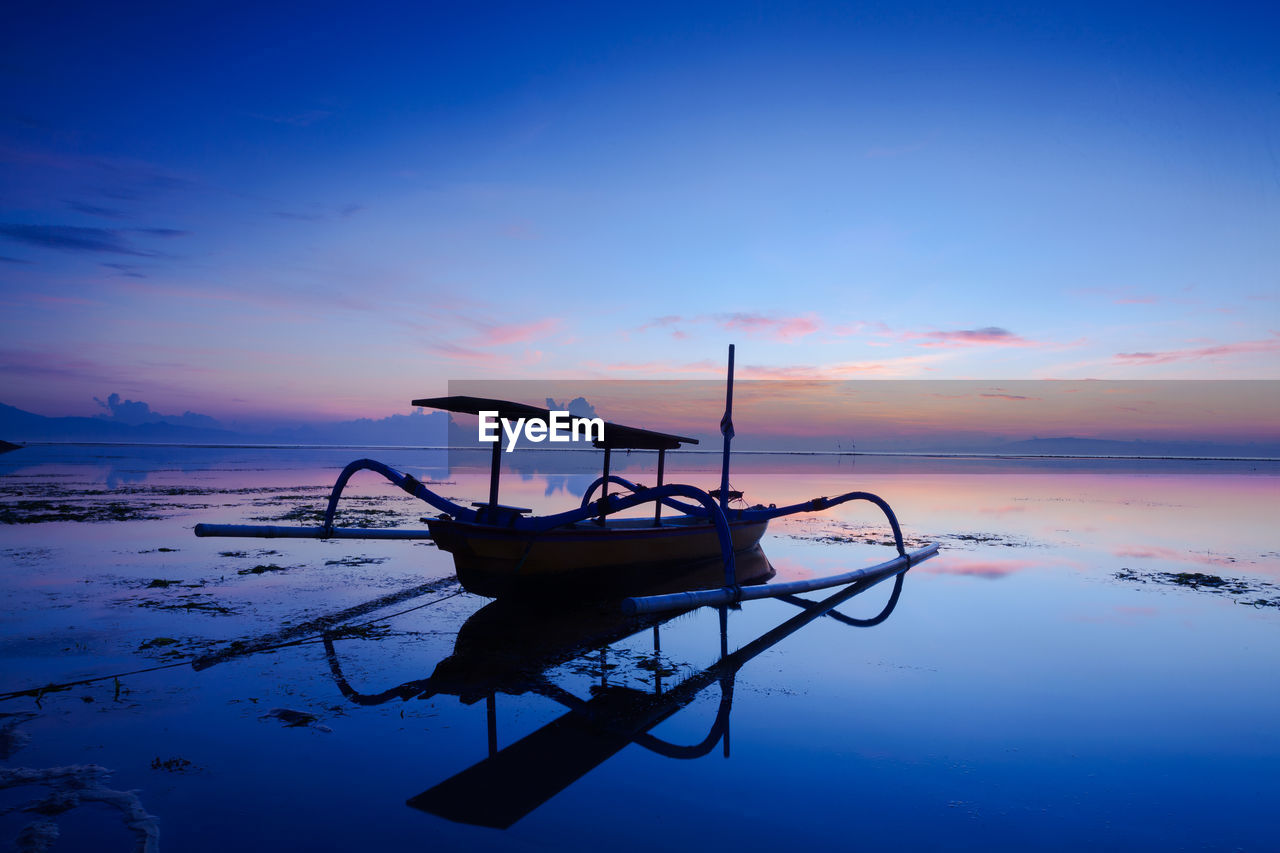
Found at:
(584, 553)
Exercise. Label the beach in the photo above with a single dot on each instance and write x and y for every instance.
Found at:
(1088, 663)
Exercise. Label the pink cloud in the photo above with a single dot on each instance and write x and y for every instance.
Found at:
(454, 352)
(767, 326)
(497, 334)
(902, 366)
(986, 336)
(1243, 347)
(660, 322)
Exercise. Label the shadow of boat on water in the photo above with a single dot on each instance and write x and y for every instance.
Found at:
(510, 648)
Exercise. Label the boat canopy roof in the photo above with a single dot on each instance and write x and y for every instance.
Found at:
(616, 436)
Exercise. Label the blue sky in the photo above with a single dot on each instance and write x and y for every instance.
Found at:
(269, 213)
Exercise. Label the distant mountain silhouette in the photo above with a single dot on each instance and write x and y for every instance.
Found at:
(26, 426)
(417, 429)
(1107, 447)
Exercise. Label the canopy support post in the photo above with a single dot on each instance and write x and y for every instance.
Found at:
(657, 505)
(604, 490)
(495, 467)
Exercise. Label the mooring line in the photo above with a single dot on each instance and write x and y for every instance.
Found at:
(323, 623)
(38, 692)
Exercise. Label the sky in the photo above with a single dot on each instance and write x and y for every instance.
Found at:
(273, 214)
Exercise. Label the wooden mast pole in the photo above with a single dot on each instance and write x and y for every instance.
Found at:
(726, 429)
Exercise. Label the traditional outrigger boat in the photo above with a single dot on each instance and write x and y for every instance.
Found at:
(589, 552)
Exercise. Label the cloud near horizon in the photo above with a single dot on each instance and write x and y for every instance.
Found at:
(1265, 345)
(137, 412)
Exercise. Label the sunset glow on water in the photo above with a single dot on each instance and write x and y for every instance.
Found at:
(1045, 680)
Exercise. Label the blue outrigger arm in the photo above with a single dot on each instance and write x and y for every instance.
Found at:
(538, 524)
(731, 593)
(704, 506)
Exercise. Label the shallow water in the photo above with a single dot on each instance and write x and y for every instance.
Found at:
(1066, 674)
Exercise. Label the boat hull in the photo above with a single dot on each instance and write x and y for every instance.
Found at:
(590, 561)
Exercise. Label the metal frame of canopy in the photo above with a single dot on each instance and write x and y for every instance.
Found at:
(615, 437)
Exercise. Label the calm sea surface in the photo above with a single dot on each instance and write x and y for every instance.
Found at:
(1089, 664)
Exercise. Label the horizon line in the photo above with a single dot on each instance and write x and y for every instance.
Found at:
(919, 454)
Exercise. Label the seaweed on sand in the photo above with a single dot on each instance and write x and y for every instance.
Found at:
(373, 513)
(1257, 593)
(262, 569)
(356, 561)
(42, 511)
(196, 601)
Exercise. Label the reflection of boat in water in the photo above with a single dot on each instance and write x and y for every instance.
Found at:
(588, 552)
(509, 647)
(508, 644)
